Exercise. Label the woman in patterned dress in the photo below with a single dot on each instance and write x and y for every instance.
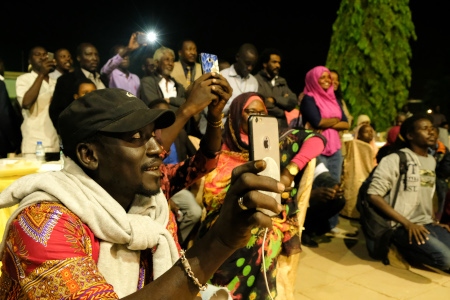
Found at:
(245, 272)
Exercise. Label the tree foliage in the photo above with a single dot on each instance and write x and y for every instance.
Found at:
(371, 51)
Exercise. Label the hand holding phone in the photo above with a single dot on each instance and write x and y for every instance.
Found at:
(141, 38)
(264, 144)
(209, 62)
(50, 63)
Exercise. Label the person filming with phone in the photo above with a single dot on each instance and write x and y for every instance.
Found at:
(297, 148)
(34, 92)
(117, 67)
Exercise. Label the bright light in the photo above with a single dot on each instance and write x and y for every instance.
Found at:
(152, 37)
(429, 111)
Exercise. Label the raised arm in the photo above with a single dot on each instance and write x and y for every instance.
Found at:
(31, 95)
(211, 90)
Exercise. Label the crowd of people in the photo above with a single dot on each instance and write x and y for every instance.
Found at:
(127, 215)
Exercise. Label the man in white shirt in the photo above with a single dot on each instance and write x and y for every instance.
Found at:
(64, 63)
(239, 74)
(34, 92)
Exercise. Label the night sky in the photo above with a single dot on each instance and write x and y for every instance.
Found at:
(300, 29)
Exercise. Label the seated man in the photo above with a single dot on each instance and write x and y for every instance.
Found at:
(417, 236)
(326, 200)
(98, 228)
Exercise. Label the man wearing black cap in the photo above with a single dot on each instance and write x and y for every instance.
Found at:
(98, 228)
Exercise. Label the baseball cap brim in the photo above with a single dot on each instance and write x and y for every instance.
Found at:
(140, 118)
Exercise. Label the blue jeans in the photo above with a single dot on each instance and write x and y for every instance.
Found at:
(435, 252)
(334, 165)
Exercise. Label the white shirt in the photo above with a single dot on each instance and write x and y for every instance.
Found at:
(98, 83)
(168, 88)
(37, 125)
(55, 74)
(240, 85)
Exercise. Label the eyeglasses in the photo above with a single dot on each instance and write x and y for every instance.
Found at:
(255, 112)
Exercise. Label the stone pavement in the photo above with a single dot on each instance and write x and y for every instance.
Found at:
(340, 268)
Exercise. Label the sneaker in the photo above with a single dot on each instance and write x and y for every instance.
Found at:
(308, 241)
(341, 233)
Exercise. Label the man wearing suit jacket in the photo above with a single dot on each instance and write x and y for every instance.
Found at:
(88, 59)
(161, 84)
(185, 71)
(187, 64)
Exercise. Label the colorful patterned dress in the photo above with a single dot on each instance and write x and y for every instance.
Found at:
(243, 272)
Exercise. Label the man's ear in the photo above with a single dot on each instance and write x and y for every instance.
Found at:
(87, 155)
(409, 136)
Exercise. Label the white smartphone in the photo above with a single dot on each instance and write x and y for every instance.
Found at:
(264, 144)
(209, 62)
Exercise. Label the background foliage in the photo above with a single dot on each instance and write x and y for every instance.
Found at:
(371, 51)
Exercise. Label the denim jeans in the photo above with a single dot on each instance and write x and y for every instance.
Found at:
(334, 165)
(435, 252)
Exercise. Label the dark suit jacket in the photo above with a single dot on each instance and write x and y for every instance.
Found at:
(150, 90)
(63, 94)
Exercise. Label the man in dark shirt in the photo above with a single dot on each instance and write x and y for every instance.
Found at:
(279, 98)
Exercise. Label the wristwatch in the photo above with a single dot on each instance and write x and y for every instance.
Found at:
(292, 168)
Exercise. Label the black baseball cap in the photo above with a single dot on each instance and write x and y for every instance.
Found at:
(108, 110)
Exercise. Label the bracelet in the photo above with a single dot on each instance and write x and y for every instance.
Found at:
(187, 268)
(216, 124)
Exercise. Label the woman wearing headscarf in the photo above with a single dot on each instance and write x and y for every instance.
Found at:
(245, 271)
(321, 111)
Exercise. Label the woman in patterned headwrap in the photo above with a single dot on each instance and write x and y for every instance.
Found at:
(244, 272)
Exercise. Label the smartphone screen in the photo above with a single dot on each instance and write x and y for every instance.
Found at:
(142, 39)
(50, 55)
(209, 62)
(264, 144)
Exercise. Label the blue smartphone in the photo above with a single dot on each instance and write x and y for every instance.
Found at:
(209, 62)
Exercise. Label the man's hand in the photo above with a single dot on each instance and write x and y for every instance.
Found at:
(210, 89)
(47, 66)
(323, 194)
(133, 42)
(235, 223)
(418, 232)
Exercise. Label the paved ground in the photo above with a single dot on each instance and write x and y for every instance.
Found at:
(340, 268)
